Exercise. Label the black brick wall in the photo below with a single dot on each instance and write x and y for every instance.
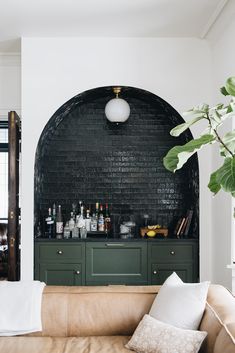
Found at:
(82, 156)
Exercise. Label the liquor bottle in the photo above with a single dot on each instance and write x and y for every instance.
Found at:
(94, 223)
(49, 224)
(88, 220)
(75, 231)
(66, 231)
(81, 219)
(107, 219)
(71, 222)
(59, 223)
(101, 220)
(97, 210)
(54, 219)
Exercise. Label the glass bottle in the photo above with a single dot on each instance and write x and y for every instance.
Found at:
(88, 220)
(101, 220)
(59, 223)
(93, 223)
(66, 231)
(107, 219)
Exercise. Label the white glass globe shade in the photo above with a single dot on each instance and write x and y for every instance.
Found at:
(117, 110)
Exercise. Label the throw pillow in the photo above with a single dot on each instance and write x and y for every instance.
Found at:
(180, 304)
(153, 336)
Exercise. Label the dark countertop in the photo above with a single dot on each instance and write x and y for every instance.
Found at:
(109, 239)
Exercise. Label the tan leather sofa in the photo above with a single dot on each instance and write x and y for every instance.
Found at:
(101, 319)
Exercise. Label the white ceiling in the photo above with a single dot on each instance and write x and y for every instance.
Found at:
(105, 18)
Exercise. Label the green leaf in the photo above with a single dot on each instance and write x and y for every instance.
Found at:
(179, 155)
(224, 91)
(176, 131)
(213, 185)
(230, 86)
(225, 175)
(229, 141)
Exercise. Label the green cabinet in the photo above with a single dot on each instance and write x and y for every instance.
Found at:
(116, 263)
(175, 256)
(60, 262)
(135, 262)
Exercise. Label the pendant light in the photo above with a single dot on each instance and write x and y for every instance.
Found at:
(117, 110)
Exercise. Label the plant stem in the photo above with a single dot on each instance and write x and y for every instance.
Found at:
(219, 138)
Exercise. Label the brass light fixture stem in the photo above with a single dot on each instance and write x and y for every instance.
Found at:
(116, 90)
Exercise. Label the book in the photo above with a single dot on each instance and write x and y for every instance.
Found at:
(177, 226)
(190, 216)
(181, 226)
(184, 226)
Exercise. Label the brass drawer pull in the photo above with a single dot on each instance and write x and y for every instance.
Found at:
(172, 252)
(77, 272)
(115, 245)
(154, 272)
(59, 252)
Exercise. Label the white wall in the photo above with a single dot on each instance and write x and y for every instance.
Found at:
(10, 84)
(56, 69)
(221, 41)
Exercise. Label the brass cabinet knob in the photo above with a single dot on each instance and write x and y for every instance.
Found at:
(77, 272)
(172, 252)
(60, 252)
(154, 272)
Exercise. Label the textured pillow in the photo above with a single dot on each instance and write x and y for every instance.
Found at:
(153, 336)
(180, 304)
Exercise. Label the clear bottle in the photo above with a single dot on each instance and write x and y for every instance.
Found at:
(71, 222)
(101, 220)
(88, 220)
(59, 223)
(75, 231)
(93, 223)
(66, 231)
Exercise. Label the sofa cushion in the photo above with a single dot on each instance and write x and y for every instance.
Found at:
(180, 304)
(218, 319)
(153, 336)
(22, 344)
(94, 311)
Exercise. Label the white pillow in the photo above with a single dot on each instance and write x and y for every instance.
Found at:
(153, 336)
(180, 304)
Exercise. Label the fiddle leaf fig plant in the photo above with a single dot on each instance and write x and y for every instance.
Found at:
(224, 177)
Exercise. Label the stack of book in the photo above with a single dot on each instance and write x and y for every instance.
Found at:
(183, 225)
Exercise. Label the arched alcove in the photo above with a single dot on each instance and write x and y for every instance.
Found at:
(82, 156)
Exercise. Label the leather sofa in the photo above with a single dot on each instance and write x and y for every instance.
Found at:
(102, 319)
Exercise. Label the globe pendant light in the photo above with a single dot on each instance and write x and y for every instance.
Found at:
(117, 110)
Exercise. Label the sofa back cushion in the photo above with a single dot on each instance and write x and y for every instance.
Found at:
(219, 321)
(94, 311)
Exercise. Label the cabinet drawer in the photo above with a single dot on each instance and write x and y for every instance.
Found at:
(116, 263)
(171, 253)
(60, 252)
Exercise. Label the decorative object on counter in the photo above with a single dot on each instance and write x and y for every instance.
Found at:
(153, 230)
(117, 110)
(127, 226)
(224, 177)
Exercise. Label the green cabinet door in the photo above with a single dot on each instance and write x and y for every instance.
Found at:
(116, 263)
(160, 272)
(61, 274)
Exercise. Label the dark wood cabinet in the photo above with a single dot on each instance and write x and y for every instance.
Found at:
(103, 262)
